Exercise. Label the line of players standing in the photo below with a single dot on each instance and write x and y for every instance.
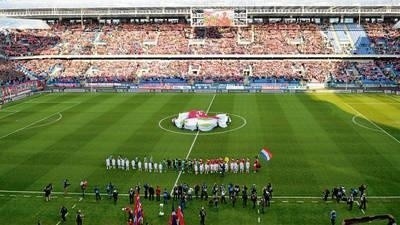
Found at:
(196, 166)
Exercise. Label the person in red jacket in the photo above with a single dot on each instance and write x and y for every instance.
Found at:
(158, 193)
(130, 222)
(256, 165)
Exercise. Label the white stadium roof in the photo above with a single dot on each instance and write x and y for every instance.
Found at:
(11, 23)
(36, 4)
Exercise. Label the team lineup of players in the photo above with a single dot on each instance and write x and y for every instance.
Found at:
(196, 166)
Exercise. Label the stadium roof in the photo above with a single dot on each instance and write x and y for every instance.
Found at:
(11, 23)
(36, 4)
(397, 25)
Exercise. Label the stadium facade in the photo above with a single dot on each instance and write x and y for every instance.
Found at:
(383, 9)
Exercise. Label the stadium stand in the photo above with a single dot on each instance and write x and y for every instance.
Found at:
(81, 49)
(250, 72)
(180, 38)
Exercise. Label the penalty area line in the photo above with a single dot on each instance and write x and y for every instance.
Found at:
(38, 121)
(9, 113)
(191, 147)
(377, 126)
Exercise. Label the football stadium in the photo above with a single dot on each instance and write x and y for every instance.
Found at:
(177, 112)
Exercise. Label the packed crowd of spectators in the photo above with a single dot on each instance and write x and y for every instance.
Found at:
(9, 75)
(203, 71)
(181, 38)
(385, 39)
(372, 72)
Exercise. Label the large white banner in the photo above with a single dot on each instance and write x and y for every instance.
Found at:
(199, 120)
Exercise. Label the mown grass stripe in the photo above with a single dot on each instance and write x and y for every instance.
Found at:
(377, 126)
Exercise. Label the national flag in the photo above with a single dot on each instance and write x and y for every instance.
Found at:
(266, 154)
(173, 218)
(180, 216)
(139, 215)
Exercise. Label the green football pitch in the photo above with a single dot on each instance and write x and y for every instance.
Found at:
(318, 141)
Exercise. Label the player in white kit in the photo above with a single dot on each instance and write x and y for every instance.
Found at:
(113, 163)
(139, 165)
(127, 163)
(247, 165)
(201, 167)
(155, 167)
(241, 166)
(160, 167)
(108, 163)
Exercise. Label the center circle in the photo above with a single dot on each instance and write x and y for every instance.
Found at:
(162, 122)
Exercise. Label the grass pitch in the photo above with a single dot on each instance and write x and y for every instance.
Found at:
(318, 141)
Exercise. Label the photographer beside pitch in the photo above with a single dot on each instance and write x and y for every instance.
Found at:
(79, 218)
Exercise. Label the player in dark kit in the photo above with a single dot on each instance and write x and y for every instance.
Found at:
(350, 202)
(332, 217)
(363, 202)
(115, 196)
(202, 215)
(66, 184)
(63, 213)
(325, 194)
(79, 218)
(97, 193)
(47, 192)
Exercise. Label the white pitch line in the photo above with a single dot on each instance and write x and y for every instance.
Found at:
(361, 125)
(27, 196)
(300, 201)
(285, 201)
(122, 194)
(9, 114)
(38, 121)
(358, 204)
(373, 103)
(42, 102)
(58, 223)
(397, 100)
(191, 147)
(377, 126)
(74, 206)
(48, 123)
